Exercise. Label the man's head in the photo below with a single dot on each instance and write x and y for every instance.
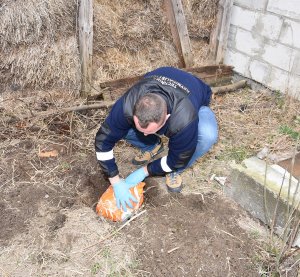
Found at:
(150, 113)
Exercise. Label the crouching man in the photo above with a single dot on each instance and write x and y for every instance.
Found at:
(167, 101)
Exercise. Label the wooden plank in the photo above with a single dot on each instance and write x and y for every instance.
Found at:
(210, 69)
(85, 24)
(220, 81)
(219, 35)
(173, 27)
(213, 79)
(120, 82)
(206, 73)
(213, 42)
(179, 31)
(223, 36)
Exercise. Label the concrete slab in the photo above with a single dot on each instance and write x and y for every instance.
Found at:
(259, 188)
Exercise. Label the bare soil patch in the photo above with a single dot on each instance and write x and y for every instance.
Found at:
(192, 235)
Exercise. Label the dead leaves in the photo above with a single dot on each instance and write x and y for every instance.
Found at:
(48, 154)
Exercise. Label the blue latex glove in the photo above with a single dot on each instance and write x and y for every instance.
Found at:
(123, 195)
(135, 177)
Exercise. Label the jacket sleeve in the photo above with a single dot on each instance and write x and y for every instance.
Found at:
(181, 148)
(114, 128)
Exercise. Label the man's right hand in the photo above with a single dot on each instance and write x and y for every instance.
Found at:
(123, 195)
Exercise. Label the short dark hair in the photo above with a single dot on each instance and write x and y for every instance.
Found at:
(150, 108)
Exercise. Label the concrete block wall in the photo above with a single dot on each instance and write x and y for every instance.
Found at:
(264, 43)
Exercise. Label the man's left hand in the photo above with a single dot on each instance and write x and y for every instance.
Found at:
(135, 177)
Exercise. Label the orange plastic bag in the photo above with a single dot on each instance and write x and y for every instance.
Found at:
(107, 206)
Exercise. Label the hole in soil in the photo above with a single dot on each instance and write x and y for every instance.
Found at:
(57, 223)
(91, 189)
(151, 190)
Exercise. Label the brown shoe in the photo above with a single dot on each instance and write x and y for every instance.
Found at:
(174, 182)
(145, 157)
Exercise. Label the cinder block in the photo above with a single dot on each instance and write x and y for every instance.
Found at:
(295, 62)
(243, 18)
(286, 82)
(278, 80)
(238, 60)
(256, 185)
(294, 86)
(290, 33)
(288, 8)
(231, 37)
(278, 55)
(268, 25)
(259, 71)
(252, 4)
(248, 43)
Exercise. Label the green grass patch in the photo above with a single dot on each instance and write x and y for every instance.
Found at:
(287, 130)
(95, 268)
(238, 153)
(279, 99)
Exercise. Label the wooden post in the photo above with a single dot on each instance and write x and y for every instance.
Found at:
(179, 31)
(85, 23)
(219, 36)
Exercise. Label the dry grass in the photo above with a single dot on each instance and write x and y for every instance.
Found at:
(253, 119)
(38, 46)
(129, 26)
(200, 16)
(131, 38)
(27, 22)
(43, 65)
(134, 37)
(115, 64)
(201, 53)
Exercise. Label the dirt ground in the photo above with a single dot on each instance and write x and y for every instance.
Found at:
(201, 229)
(48, 221)
(192, 235)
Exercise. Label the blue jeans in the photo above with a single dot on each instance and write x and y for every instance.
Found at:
(207, 136)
